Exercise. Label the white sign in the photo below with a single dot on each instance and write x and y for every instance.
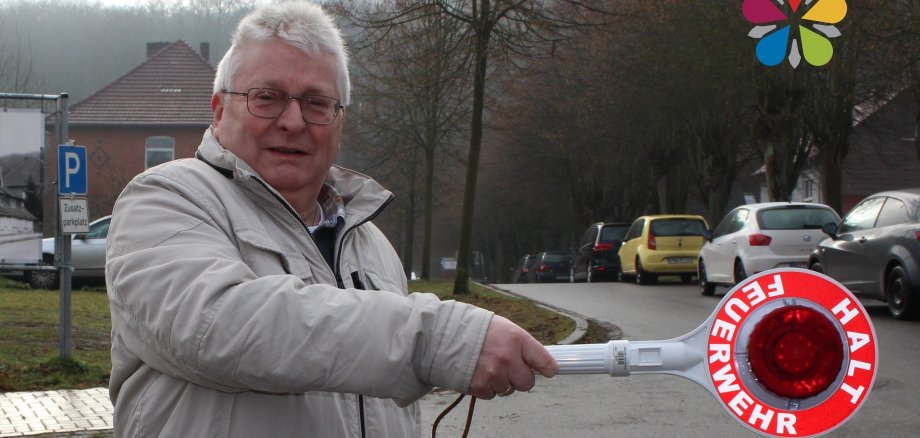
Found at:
(449, 264)
(22, 131)
(74, 216)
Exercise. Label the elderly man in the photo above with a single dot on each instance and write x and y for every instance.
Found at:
(250, 293)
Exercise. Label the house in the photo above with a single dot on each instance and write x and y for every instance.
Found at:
(155, 113)
(15, 218)
(883, 154)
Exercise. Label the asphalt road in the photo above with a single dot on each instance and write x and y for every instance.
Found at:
(664, 405)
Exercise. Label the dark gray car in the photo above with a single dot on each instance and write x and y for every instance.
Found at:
(875, 250)
(596, 256)
(550, 266)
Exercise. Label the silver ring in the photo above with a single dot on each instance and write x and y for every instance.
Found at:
(507, 392)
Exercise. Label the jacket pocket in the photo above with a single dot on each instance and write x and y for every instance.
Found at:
(266, 257)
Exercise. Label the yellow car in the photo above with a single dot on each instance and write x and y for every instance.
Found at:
(662, 245)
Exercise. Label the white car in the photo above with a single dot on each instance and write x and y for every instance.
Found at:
(87, 256)
(757, 237)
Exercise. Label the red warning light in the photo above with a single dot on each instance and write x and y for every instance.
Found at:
(795, 352)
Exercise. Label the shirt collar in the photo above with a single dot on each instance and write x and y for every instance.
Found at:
(332, 207)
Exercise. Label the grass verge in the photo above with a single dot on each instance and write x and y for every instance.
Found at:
(30, 339)
(30, 333)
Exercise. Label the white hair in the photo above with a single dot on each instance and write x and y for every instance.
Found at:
(301, 24)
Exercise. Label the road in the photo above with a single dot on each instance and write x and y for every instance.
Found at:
(663, 405)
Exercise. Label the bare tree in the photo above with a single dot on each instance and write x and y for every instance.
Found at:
(780, 131)
(513, 26)
(861, 71)
(413, 99)
(15, 65)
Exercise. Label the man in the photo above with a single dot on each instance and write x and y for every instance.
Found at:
(250, 293)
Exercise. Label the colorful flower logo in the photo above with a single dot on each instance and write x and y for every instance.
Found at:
(804, 33)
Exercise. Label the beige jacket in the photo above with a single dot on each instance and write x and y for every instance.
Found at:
(227, 321)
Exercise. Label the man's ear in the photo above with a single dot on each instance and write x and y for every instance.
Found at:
(217, 106)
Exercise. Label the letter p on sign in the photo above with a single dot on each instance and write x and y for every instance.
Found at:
(71, 170)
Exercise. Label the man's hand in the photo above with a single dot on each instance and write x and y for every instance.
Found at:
(508, 360)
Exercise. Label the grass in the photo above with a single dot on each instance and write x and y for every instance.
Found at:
(30, 339)
(30, 334)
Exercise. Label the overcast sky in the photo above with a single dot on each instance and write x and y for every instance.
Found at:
(123, 2)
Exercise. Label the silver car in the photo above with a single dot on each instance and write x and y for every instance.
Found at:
(87, 257)
(875, 251)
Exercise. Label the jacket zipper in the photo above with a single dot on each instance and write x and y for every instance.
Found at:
(338, 277)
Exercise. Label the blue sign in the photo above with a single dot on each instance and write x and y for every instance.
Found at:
(72, 170)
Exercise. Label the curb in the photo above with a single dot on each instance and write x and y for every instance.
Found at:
(581, 324)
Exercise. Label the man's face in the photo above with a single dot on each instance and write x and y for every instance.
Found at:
(288, 153)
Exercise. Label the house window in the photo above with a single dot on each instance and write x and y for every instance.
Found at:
(158, 150)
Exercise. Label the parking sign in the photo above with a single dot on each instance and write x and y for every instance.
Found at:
(71, 170)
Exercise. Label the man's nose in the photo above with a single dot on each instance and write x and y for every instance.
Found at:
(292, 116)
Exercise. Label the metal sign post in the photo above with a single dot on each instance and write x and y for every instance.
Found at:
(62, 245)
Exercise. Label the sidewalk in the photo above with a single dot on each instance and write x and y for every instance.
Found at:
(70, 413)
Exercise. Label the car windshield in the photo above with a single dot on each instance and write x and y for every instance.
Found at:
(678, 227)
(795, 218)
(613, 234)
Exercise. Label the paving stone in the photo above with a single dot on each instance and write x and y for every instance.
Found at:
(47, 414)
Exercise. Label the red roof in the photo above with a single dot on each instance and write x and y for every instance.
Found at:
(172, 87)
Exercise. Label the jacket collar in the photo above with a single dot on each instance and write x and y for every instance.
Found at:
(363, 197)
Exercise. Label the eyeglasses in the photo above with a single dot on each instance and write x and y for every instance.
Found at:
(269, 103)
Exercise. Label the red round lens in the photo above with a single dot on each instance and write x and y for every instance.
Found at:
(795, 352)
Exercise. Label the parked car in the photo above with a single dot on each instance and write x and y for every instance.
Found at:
(875, 250)
(596, 256)
(523, 267)
(662, 245)
(87, 256)
(550, 266)
(756, 237)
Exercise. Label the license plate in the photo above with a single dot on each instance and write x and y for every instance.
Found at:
(679, 260)
(802, 265)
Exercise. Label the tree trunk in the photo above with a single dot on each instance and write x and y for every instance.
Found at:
(917, 132)
(409, 248)
(429, 212)
(832, 179)
(461, 279)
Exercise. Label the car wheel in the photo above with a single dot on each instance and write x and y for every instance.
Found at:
(643, 277)
(706, 288)
(44, 278)
(817, 267)
(902, 302)
(589, 276)
(740, 274)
